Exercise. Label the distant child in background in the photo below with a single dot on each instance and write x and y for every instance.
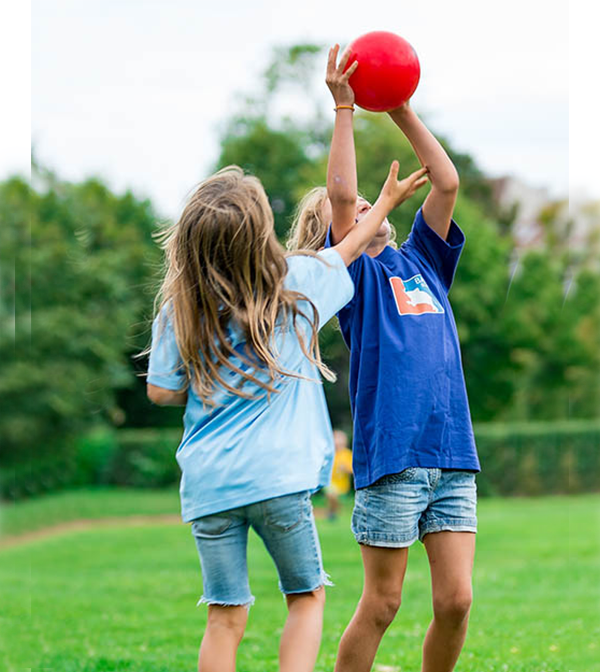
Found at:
(414, 454)
(341, 474)
(235, 340)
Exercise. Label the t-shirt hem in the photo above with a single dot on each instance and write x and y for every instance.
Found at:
(158, 381)
(188, 515)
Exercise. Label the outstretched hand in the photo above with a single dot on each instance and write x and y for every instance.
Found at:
(395, 191)
(337, 80)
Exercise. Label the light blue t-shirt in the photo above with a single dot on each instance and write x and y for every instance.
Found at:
(248, 450)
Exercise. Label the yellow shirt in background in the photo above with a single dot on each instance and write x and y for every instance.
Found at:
(342, 467)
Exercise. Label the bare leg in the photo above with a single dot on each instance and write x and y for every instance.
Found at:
(301, 635)
(223, 634)
(451, 557)
(384, 574)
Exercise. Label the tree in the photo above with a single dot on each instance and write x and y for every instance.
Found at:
(77, 304)
(276, 157)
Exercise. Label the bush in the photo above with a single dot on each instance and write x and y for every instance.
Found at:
(86, 460)
(146, 458)
(516, 459)
(37, 475)
(537, 458)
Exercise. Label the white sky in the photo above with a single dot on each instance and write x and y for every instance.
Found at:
(135, 90)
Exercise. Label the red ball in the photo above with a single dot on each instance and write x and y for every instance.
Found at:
(388, 71)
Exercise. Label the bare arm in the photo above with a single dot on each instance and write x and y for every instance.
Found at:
(342, 188)
(392, 194)
(439, 204)
(164, 397)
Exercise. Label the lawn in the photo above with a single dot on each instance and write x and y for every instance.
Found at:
(122, 597)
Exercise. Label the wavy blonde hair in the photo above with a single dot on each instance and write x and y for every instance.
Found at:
(309, 230)
(224, 264)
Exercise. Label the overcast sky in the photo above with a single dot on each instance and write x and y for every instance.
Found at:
(135, 90)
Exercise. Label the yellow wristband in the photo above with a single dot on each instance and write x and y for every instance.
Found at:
(343, 107)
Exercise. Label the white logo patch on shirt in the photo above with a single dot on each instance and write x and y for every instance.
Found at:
(413, 296)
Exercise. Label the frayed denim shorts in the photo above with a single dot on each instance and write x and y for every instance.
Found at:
(400, 508)
(287, 527)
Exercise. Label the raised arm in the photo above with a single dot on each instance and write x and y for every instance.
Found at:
(341, 168)
(392, 194)
(439, 204)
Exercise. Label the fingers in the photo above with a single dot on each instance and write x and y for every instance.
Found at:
(403, 189)
(337, 71)
(346, 76)
(415, 186)
(394, 168)
(332, 58)
(343, 59)
(413, 177)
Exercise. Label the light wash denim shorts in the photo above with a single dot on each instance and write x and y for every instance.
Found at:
(287, 527)
(400, 508)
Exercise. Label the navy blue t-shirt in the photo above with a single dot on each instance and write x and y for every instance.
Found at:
(407, 388)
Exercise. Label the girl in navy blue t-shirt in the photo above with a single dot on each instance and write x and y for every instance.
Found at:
(414, 454)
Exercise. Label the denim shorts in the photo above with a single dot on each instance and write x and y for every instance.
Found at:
(400, 508)
(287, 527)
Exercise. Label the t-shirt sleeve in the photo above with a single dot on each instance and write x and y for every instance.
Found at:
(323, 279)
(441, 255)
(165, 368)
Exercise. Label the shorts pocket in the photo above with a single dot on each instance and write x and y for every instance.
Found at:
(287, 512)
(401, 477)
(211, 526)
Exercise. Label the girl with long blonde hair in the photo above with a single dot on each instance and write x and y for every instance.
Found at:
(235, 340)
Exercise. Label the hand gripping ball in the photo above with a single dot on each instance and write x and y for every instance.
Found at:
(388, 71)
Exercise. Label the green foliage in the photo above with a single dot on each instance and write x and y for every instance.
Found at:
(145, 458)
(74, 309)
(291, 64)
(275, 157)
(539, 458)
(554, 339)
(478, 298)
(142, 458)
(581, 313)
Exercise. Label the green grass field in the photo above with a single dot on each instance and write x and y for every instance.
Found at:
(120, 597)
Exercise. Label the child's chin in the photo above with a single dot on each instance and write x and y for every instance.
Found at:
(384, 230)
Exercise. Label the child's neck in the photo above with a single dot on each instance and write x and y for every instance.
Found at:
(376, 247)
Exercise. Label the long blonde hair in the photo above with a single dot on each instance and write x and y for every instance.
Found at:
(224, 264)
(309, 230)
